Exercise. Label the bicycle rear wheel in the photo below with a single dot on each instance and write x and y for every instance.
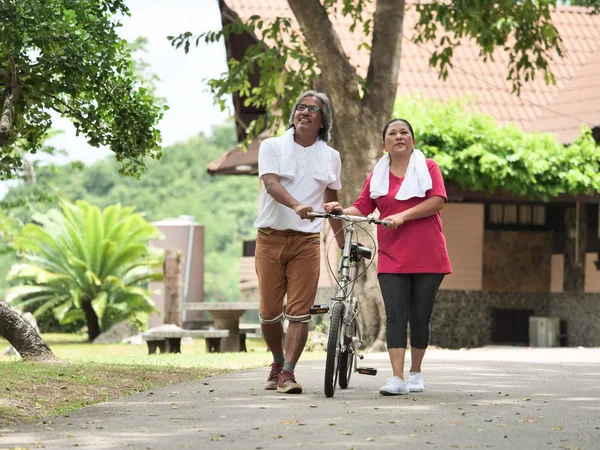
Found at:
(347, 358)
(333, 348)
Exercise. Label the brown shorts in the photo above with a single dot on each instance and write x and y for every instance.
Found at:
(287, 262)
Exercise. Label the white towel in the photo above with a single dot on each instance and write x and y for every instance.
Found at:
(287, 159)
(417, 180)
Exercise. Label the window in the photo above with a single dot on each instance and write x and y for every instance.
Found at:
(512, 216)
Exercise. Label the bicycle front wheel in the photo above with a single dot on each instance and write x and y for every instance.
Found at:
(334, 347)
(347, 358)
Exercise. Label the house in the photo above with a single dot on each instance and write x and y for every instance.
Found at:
(513, 257)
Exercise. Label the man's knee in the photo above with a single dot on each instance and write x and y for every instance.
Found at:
(269, 319)
(298, 318)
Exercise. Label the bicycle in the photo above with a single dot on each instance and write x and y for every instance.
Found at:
(344, 335)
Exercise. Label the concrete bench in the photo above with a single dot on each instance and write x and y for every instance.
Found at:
(169, 341)
(226, 316)
(248, 329)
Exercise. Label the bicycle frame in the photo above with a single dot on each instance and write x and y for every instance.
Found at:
(344, 336)
(347, 270)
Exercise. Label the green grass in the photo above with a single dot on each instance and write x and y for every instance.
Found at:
(91, 373)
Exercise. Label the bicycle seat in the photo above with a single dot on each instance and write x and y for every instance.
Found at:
(361, 250)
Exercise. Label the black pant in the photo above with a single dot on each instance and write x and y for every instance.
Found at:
(408, 298)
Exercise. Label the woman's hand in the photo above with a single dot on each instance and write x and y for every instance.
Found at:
(396, 219)
(333, 206)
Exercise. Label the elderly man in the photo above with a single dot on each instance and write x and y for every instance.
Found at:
(299, 172)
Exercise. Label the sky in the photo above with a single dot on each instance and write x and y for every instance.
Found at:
(181, 76)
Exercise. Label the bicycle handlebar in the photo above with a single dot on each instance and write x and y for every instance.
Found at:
(354, 219)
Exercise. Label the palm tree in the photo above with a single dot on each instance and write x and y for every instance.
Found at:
(86, 264)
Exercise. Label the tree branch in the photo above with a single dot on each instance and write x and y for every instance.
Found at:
(337, 74)
(386, 51)
(7, 115)
(75, 113)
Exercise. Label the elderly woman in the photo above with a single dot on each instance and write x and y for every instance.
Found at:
(408, 190)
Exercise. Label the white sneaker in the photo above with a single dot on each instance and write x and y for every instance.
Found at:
(415, 382)
(394, 386)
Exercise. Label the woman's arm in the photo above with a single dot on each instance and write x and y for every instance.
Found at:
(335, 206)
(424, 209)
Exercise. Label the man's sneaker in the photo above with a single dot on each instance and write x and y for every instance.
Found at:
(287, 383)
(415, 382)
(394, 386)
(271, 383)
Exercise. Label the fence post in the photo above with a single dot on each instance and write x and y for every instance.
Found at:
(172, 275)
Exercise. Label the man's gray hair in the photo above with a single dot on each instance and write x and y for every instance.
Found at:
(326, 113)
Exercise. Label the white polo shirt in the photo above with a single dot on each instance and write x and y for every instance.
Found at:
(303, 187)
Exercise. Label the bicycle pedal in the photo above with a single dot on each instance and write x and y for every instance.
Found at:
(319, 309)
(367, 370)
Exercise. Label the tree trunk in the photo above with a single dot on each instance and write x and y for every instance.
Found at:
(22, 336)
(172, 271)
(360, 151)
(575, 245)
(91, 319)
(358, 118)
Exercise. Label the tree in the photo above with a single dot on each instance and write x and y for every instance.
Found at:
(313, 57)
(22, 336)
(65, 56)
(86, 264)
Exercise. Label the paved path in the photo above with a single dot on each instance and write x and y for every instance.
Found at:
(495, 397)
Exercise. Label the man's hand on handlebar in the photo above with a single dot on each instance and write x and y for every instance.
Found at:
(303, 210)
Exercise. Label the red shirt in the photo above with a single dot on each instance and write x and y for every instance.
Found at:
(417, 246)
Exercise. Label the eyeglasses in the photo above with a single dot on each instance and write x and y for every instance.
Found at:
(311, 108)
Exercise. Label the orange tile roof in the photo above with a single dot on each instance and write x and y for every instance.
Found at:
(561, 108)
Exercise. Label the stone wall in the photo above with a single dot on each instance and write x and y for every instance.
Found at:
(517, 261)
(582, 313)
(464, 318)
